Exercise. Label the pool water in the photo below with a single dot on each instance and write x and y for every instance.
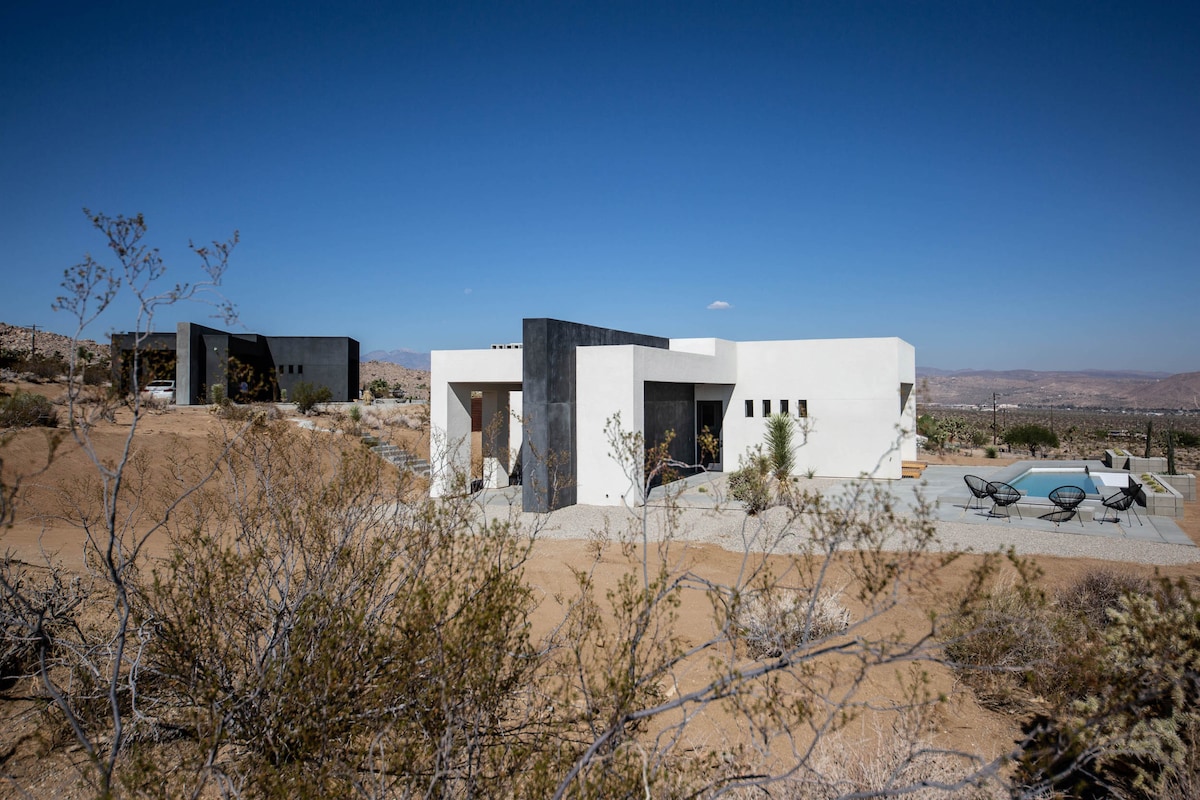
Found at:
(1040, 483)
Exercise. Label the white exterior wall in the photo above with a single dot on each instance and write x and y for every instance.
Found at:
(454, 374)
(610, 380)
(853, 391)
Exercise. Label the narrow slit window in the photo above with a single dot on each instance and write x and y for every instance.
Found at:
(290, 368)
(766, 408)
(300, 368)
(783, 406)
(801, 408)
(749, 408)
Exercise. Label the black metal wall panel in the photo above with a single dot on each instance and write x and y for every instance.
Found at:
(549, 397)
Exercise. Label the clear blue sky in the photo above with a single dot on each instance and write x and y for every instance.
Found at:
(1007, 185)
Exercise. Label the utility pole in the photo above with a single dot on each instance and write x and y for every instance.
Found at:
(993, 419)
(33, 340)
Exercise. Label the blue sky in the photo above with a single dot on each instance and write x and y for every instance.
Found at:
(1009, 185)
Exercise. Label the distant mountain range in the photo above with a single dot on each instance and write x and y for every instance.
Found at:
(1157, 391)
(405, 358)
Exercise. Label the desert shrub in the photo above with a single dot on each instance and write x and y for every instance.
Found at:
(45, 367)
(999, 644)
(26, 409)
(990, 452)
(978, 438)
(772, 623)
(306, 396)
(379, 387)
(1097, 593)
(1125, 729)
(1031, 435)
(751, 484)
(217, 395)
(337, 633)
(1110, 672)
(36, 606)
(256, 413)
(1187, 439)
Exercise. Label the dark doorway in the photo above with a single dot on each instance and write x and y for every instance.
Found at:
(708, 419)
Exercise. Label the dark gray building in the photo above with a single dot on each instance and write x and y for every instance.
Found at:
(248, 366)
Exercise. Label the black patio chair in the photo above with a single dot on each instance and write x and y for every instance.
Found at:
(1067, 498)
(1122, 500)
(1003, 496)
(979, 488)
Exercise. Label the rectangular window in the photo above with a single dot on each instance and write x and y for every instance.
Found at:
(766, 408)
(290, 369)
(749, 408)
(281, 369)
(783, 406)
(300, 368)
(801, 408)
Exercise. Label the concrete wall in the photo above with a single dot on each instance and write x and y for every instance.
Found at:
(854, 397)
(611, 381)
(454, 375)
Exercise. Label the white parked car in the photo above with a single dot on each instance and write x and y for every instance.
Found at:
(159, 391)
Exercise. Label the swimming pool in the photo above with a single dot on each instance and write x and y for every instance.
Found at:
(1041, 482)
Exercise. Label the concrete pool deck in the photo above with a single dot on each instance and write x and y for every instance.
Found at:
(708, 515)
(947, 485)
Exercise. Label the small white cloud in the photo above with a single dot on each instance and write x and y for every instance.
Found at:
(718, 305)
(467, 290)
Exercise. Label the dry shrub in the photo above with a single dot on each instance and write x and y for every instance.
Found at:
(1097, 592)
(1001, 642)
(772, 623)
(890, 763)
(36, 606)
(256, 413)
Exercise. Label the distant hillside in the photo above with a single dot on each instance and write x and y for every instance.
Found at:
(405, 358)
(17, 339)
(1084, 389)
(414, 381)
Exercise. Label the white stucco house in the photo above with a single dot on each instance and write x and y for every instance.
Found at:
(545, 404)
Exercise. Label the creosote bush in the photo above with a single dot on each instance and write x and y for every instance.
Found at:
(26, 409)
(306, 396)
(751, 483)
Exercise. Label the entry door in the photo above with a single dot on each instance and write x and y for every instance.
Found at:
(708, 418)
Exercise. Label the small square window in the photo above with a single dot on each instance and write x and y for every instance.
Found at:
(749, 408)
(783, 406)
(766, 408)
(801, 408)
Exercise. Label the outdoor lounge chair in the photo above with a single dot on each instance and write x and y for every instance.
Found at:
(1067, 498)
(1122, 500)
(1003, 496)
(979, 488)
